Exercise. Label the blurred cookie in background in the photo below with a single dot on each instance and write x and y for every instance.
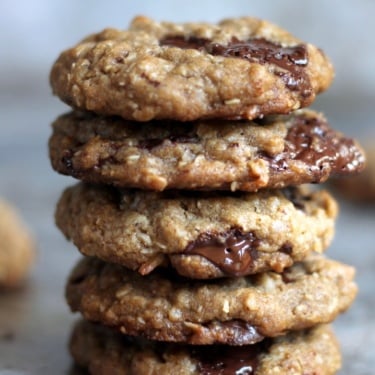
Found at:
(359, 188)
(17, 248)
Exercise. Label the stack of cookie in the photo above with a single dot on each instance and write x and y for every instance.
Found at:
(202, 250)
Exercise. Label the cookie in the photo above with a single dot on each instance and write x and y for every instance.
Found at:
(235, 311)
(275, 152)
(16, 247)
(359, 188)
(238, 68)
(202, 234)
(104, 351)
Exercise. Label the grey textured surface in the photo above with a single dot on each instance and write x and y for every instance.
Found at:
(35, 322)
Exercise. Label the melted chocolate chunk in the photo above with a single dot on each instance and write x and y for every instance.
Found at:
(241, 332)
(262, 50)
(233, 252)
(313, 142)
(227, 360)
(291, 60)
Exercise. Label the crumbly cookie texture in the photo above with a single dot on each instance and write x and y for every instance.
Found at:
(238, 68)
(275, 152)
(234, 311)
(103, 351)
(202, 234)
(16, 247)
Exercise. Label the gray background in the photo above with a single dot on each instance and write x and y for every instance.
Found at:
(35, 323)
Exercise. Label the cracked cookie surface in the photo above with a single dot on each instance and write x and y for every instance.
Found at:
(235, 311)
(101, 350)
(201, 234)
(238, 68)
(274, 152)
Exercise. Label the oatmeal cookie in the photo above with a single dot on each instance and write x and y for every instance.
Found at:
(103, 351)
(202, 234)
(238, 68)
(275, 152)
(235, 311)
(16, 247)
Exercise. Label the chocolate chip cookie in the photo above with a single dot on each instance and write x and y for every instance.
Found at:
(275, 152)
(235, 311)
(16, 247)
(202, 234)
(238, 68)
(103, 351)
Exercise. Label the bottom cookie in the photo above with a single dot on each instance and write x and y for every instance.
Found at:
(102, 350)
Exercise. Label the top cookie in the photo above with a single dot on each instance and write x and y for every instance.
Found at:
(238, 68)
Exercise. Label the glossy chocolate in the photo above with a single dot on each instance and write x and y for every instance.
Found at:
(233, 252)
(227, 360)
(313, 142)
(291, 61)
(242, 333)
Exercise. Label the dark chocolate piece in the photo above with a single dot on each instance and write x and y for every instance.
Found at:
(291, 60)
(233, 252)
(313, 142)
(226, 360)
